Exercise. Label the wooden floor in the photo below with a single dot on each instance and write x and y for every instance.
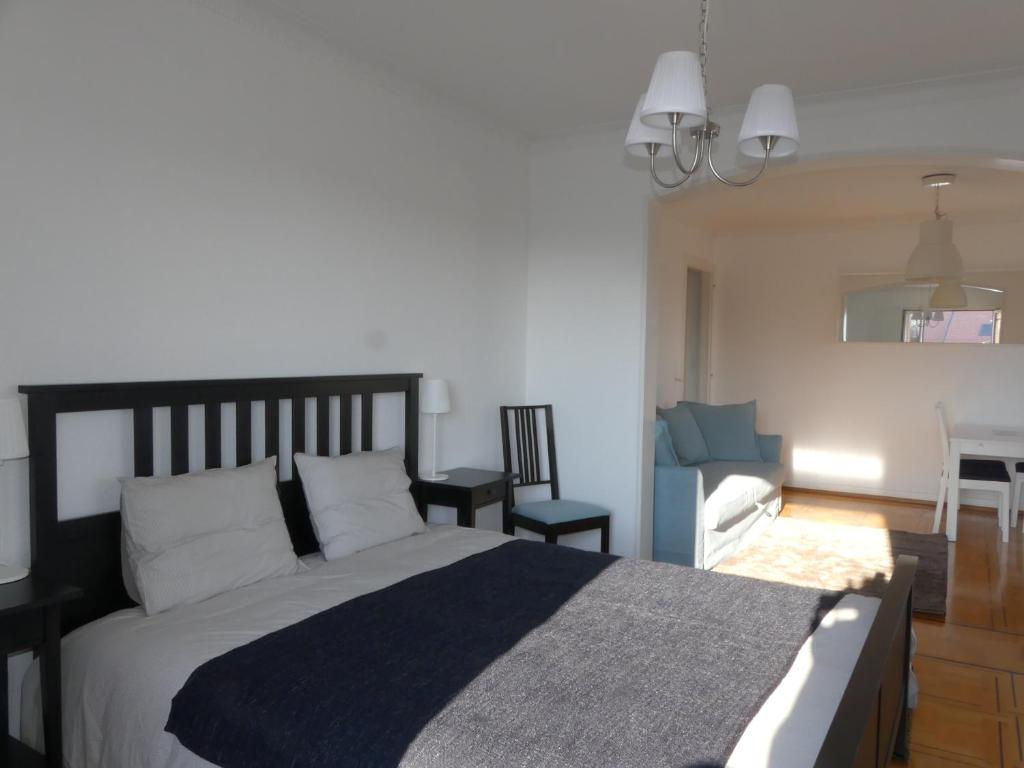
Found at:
(970, 667)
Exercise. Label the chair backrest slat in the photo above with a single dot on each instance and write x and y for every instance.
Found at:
(520, 425)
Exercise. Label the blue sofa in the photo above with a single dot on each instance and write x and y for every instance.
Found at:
(717, 482)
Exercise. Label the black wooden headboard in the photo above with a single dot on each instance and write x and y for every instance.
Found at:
(86, 552)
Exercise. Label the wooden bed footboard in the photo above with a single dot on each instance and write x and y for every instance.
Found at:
(871, 724)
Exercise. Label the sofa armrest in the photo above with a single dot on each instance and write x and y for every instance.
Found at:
(678, 515)
(771, 448)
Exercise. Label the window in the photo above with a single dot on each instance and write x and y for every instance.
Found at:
(952, 326)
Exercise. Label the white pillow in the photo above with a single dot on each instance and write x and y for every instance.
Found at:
(358, 501)
(190, 537)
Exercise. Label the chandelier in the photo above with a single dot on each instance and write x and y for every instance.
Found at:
(674, 113)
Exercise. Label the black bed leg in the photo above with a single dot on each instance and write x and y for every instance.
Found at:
(605, 536)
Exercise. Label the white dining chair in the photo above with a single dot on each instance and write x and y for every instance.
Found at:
(1017, 490)
(975, 475)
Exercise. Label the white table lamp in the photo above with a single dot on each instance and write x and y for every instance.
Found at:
(13, 445)
(434, 400)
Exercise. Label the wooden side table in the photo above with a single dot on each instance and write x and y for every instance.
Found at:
(30, 618)
(467, 490)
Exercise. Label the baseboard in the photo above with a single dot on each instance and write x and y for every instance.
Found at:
(860, 496)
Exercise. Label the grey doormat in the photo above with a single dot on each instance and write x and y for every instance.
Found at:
(845, 557)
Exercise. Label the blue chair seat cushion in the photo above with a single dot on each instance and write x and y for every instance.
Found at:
(984, 469)
(554, 511)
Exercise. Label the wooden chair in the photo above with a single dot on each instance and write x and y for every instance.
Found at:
(975, 475)
(552, 517)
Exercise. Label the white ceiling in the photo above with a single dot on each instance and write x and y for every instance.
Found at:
(866, 192)
(549, 67)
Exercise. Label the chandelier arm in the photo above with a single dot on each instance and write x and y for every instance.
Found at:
(687, 171)
(657, 179)
(746, 182)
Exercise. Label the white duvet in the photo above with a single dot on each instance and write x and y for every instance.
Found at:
(121, 672)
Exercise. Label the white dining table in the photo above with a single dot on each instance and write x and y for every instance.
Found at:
(979, 440)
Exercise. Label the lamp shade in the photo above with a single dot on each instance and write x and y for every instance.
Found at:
(935, 259)
(676, 86)
(949, 294)
(434, 396)
(640, 135)
(13, 440)
(770, 112)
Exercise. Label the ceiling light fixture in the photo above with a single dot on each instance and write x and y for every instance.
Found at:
(936, 258)
(674, 112)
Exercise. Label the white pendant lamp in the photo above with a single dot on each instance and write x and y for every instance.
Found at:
(936, 258)
(948, 295)
(676, 103)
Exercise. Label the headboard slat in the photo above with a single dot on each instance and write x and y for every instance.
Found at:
(298, 429)
(323, 425)
(243, 432)
(366, 429)
(272, 445)
(86, 551)
(211, 418)
(179, 439)
(142, 441)
(345, 426)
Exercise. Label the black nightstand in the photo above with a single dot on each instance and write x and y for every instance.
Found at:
(467, 490)
(30, 618)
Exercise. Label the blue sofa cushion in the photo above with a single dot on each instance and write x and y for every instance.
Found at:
(687, 438)
(664, 452)
(729, 430)
(734, 489)
(552, 511)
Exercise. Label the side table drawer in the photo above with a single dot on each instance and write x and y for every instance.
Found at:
(488, 494)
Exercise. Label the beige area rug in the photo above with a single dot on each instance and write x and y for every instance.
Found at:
(845, 557)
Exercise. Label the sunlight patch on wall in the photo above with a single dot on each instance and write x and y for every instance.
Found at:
(834, 464)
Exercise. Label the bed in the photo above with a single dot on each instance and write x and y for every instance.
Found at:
(841, 701)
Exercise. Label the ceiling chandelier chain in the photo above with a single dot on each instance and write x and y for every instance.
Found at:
(703, 53)
(677, 100)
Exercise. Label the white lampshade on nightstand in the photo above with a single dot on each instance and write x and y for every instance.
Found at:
(13, 445)
(434, 400)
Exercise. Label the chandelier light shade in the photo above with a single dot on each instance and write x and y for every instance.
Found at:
(949, 294)
(936, 258)
(770, 115)
(676, 88)
(676, 103)
(641, 136)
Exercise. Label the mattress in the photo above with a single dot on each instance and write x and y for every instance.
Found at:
(121, 671)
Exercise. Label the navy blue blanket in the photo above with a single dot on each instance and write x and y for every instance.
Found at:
(527, 654)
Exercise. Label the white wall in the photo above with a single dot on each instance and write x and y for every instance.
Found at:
(187, 192)
(587, 253)
(676, 245)
(585, 319)
(856, 417)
